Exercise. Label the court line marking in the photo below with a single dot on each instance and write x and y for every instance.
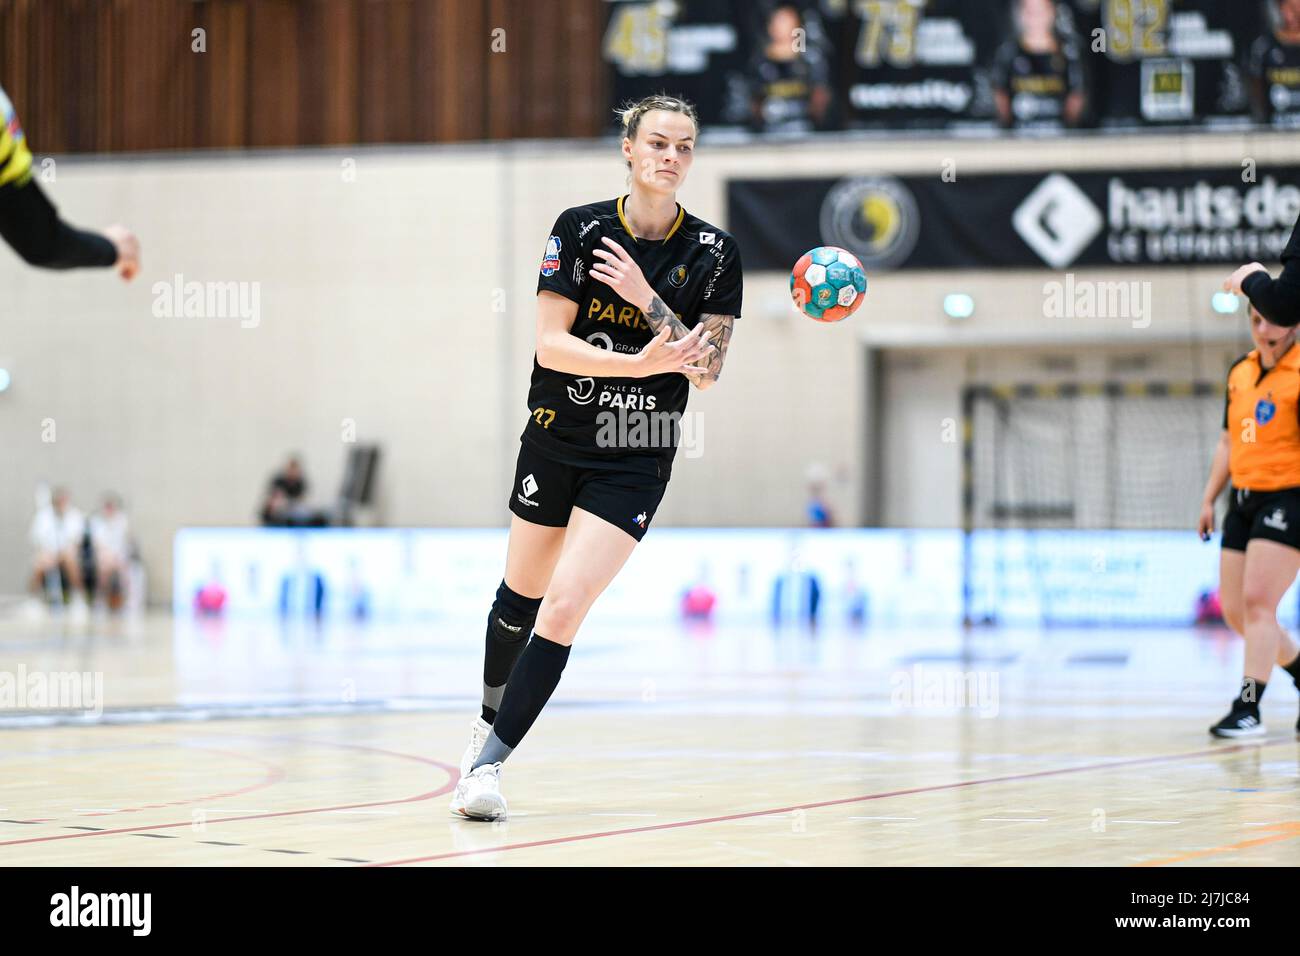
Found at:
(1061, 771)
(453, 774)
(1154, 823)
(274, 775)
(1288, 831)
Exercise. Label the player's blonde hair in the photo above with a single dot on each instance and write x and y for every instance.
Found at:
(631, 113)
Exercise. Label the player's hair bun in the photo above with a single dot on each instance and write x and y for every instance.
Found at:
(630, 113)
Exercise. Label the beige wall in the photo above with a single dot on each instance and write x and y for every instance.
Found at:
(378, 305)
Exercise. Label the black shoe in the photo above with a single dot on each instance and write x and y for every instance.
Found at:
(1240, 723)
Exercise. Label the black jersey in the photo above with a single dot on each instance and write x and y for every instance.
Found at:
(628, 423)
(1037, 83)
(783, 90)
(1277, 66)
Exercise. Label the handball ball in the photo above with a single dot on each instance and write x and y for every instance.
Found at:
(828, 283)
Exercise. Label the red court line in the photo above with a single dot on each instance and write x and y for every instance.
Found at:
(578, 837)
(274, 775)
(453, 774)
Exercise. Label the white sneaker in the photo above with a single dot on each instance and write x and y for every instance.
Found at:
(478, 735)
(478, 794)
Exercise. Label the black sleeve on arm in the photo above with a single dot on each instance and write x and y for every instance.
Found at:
(31, 225)
(725, 292)
(564, 265)
(1278, 300)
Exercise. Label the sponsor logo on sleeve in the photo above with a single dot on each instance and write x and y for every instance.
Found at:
(717, 271)
(551, 258)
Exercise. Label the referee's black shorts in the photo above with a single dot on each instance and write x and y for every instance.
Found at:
(546, 490)
(1272, 515)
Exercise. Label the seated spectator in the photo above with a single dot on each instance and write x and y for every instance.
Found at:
(789, 78)
(57, 535)
(283, 506)
(110, 538)
(1038, 76)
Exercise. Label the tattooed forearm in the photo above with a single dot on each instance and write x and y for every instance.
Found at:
(718, 328)
(659, 315)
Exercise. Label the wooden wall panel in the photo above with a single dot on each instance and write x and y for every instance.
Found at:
(112, 75)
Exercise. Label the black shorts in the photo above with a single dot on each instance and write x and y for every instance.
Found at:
(1272, 515)
(545, 490)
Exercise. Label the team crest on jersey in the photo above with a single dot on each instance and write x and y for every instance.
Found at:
(551, 258)
(582, 391)
(678, 276)
(1265, 409)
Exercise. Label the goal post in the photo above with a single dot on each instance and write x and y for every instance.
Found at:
(1104, 457)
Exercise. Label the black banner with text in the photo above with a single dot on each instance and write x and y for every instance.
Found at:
(1057, 220)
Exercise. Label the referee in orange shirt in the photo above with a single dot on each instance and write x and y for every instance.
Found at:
(1260, 451)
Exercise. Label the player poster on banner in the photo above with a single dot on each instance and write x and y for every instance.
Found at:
(1058, 220)
(694, 50)
(933, 64)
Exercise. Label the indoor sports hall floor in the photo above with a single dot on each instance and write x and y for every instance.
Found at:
(243, 743)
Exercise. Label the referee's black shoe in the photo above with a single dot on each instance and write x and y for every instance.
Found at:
(1240, 723)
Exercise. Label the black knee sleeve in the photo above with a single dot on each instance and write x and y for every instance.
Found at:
(513, 614)
(510, 622)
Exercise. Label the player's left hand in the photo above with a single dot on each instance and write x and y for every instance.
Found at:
(620, 273)
(1233, 282)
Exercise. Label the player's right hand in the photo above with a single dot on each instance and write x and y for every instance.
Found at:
(661, 356)
(128, 250)
(1205, 527)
